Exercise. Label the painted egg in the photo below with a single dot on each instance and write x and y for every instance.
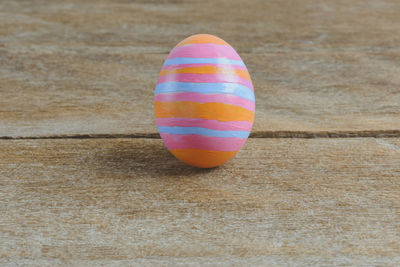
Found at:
(204, 101)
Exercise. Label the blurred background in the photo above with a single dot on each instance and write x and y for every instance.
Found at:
(85, 67)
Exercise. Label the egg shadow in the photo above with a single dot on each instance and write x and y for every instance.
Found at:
(143, 157)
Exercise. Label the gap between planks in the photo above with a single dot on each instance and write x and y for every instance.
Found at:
(258, 134)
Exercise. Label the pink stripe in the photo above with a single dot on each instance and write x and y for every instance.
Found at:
(227, 66)
(206, 98)
(192, 141)
(204, 78)
(204, 51)
(209, 124)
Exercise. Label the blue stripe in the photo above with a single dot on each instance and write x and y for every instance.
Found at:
(194, 60)
(202, 131)
(206, 88)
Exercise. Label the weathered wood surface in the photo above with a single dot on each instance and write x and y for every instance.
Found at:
(117, 202)
(90, 67)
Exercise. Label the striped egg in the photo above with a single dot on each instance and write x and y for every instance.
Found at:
(204, 101)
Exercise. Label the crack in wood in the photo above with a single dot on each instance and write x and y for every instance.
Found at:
(326, 134)
(257, 134)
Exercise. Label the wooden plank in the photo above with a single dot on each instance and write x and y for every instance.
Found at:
(118, 202)
(81, 67)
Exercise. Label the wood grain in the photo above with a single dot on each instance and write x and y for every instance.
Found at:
(84, 67)
(119, 202)
(73, 72)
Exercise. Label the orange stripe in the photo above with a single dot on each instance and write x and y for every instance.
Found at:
(208, 70)
(203, 158)
(202, 39)
(208, 111)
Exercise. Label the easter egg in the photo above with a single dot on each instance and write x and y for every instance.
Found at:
(204, 101)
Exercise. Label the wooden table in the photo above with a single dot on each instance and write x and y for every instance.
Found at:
(86, 181)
